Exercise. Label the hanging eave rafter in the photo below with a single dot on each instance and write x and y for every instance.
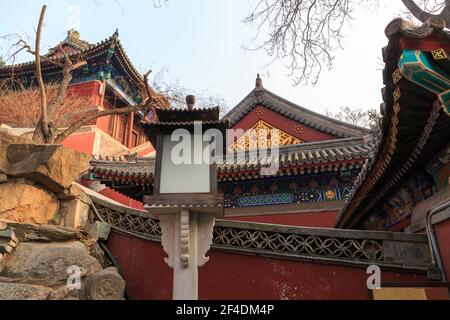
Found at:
(415, 125)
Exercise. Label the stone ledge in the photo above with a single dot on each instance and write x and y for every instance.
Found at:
(12, 291)
(44, 233)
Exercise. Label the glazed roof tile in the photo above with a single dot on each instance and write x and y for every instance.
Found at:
(307, 154)
(88, 51)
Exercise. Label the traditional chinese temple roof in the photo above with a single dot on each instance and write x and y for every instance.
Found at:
(73, 41)
(169, 118)
(297, 159)
(108, 50)
(261, 96)
(416, 123)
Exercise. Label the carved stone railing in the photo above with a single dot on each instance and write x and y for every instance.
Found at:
(395, 250)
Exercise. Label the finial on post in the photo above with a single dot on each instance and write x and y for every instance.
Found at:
(190, 101)
(259, 83)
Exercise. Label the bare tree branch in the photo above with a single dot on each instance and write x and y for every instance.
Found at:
(74, 127)
(68, 67)
(146, 85)
(423, 15)
(176, 93)
(302, 32)
(357, 117)
(43, 123)
(305, 33)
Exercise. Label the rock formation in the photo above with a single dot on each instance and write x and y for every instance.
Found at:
(48, 238)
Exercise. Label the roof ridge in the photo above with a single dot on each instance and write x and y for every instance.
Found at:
(134, 74)
(343, 123)
(297, 113)
(56, 57)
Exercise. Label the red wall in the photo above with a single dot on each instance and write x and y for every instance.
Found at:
(103, 123)
(81, 142)
(237, 276)
(443, 237)
(317, 219)
(86, 89)
(121, 198)
(280, 122)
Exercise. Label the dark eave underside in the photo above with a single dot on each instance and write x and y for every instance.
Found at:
(421, 132)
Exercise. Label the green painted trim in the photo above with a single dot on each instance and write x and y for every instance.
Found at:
(421, 70)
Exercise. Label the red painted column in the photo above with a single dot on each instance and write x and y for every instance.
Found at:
(130, 129)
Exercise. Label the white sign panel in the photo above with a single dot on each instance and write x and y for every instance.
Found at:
(183, 169)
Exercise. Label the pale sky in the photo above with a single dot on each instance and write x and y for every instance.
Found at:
(200, 42)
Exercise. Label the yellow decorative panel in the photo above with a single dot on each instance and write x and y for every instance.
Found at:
(439, 54)
(260, 136)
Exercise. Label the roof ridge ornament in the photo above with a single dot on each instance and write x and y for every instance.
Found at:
(73, 35)
(190, 101)
(259, 89)
(258, 83)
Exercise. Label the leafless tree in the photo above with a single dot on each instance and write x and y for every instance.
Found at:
(51, 108)
(307, 32)
(358, 117)
(14, 96)
(176, 93)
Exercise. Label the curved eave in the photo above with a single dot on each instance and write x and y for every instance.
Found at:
(90, 54)
(415, 126)
(317, 157)
(127, 65)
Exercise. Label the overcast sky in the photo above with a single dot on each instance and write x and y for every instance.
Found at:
(201, 43)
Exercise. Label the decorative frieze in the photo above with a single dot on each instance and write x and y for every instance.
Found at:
(340, 246)
(289, 190)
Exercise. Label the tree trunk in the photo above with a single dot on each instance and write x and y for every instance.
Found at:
(38, 135)
(41, 132)
(423, 16)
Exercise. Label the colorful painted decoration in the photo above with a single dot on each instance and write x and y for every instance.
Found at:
(151, 116)
(260, 136)
(399, 207)
(330, 194)
(327, 187)
(272, 199)
(439, 54)
(417, 67)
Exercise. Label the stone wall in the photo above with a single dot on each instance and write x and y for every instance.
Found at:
(46, 262)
